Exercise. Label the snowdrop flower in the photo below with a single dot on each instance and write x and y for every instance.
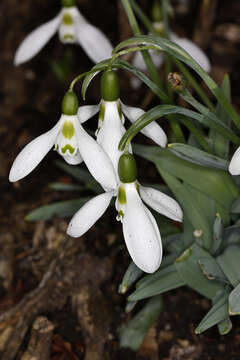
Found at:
(72, 142)
(140, 230)
(72, 27)
(234, 166)
(111, 118)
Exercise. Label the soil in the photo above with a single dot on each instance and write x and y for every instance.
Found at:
(86, 311)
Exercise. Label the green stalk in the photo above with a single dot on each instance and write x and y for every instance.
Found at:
(147, 23)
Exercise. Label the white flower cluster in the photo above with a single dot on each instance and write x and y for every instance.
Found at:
(113, 169)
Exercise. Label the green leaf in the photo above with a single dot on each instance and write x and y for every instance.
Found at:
(197, 156)
(220, 144)
(235, 209)
(211, 269)
(190, 271)
(177, 52)
(65, 187)
(157, 283)
(132, 274)
(231, 235)
(234, 301)
(215, 183)
(230, 264)
(132, 334)
(217, 314)
(60, 209)
(218, 230)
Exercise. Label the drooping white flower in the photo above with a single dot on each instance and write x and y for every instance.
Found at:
(158, 56)
(72, 27)
(140, 230)
(72, 142)
(234, 166)
(111, 119)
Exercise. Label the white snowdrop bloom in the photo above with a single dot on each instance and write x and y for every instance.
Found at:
(158, 56)
(72, 27)
(72, 142)
(111, 118)
(234, 166)
(140, 230)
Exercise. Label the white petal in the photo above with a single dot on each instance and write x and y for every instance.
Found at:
(96, 160)
(153, 131)
(93, 41)
(33, 153)
(194, 50)
(234, 166)
(73, 160)
(161, 203)
(157, 58)
(111, 132)
(141, 234)
(87, 111)
(36, 40)
(86, 217)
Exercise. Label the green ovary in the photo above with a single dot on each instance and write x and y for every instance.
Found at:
(67, 147)
(68, 130)
(67, 19)
(68, 37)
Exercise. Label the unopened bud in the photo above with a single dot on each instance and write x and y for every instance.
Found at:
(177, 82)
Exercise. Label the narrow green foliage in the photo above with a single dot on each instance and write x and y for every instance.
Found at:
(132, 274)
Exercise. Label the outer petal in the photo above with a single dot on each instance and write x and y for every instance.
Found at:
(86, 217)
(234, 167)
(152, 130)
(36, 40)
(111, 132)
(33, 153)
(96, 160)
(161, 202)
(87, 111)
(195, 51)
(141, 234)
(73, 160)
(93, 41)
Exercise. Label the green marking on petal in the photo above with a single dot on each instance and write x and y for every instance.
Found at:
(102, 112)
(119, 109)
(68, 147)
(122, 195)
(68, 37)
(68, 129)
(120, 215)
(67, 19)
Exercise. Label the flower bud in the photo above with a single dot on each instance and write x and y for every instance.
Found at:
(127, 168)
(110, 88)
(177, 82)
(156, 11)
(70, 103)
(68, 3)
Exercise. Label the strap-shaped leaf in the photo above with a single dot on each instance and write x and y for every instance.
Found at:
(190, 271)
(198, 157)
(177, 52)
(132, 274)
(218, 313)
(218, 230)
(234, 301)
(215, 183)
(230, 264)
(163, 110)
(158, 283)
(61, 209)
(132, 334)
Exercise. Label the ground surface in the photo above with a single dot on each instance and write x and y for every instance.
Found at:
(79, 279)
